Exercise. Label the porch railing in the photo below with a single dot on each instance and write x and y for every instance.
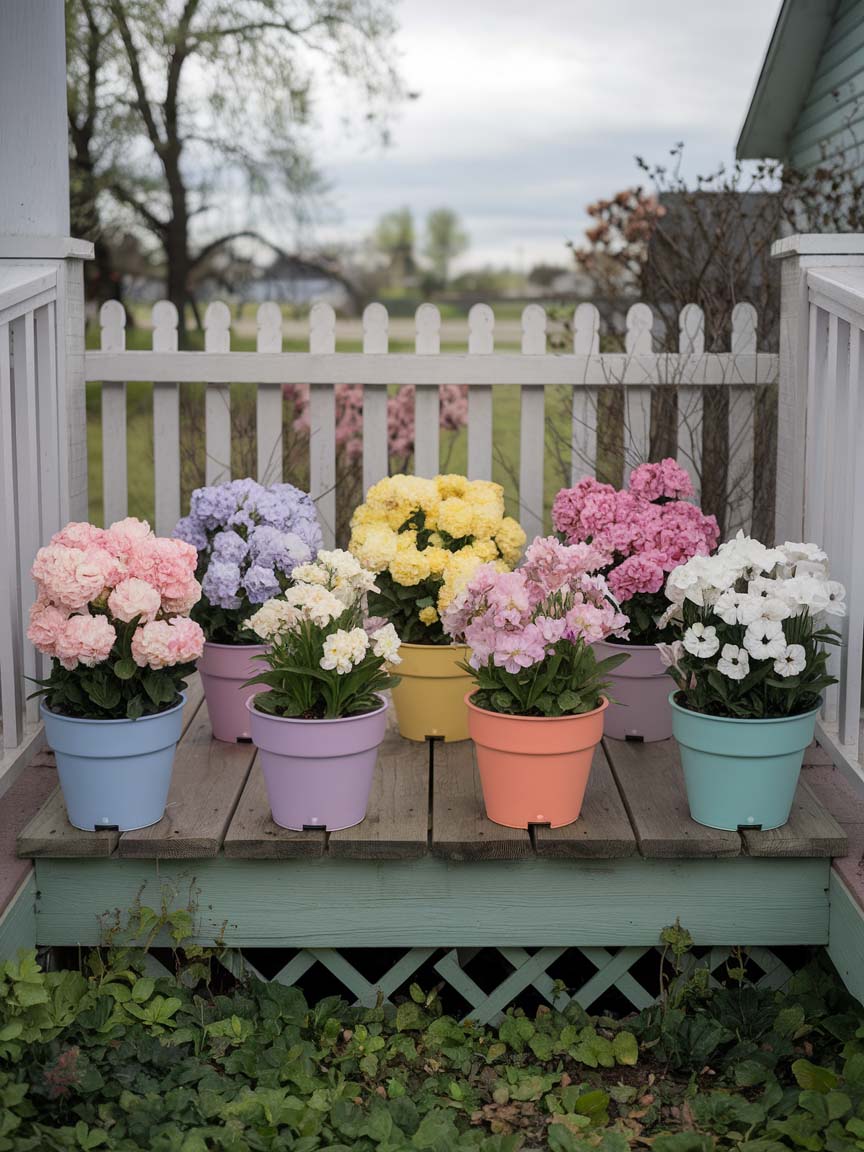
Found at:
(581, 374)
(33, 459)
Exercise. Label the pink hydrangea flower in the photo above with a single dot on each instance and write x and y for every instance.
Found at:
(134, 597)
(663, 480)
(79, 534)
(73, 577)
(46, 623)
(84, 640)
(164, 643)
(644, 572)
(169, 565)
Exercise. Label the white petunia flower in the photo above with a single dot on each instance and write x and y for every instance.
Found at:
(701, 640)
(738, 607)
(792, 661)
(747, 553)
(807, 593)
(837, 597)
(734, 663)
(670, 654)
(385, 644)
(772, 606)
(809, 553)
(764, 639)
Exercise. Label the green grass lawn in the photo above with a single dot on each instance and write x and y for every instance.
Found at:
(139, 402)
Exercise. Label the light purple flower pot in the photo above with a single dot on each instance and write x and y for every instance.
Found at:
(639, 688)
(318, 772)
(224, 669)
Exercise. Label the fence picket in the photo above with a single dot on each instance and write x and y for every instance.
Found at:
(115, 488)
(691, 342)
(852, 649)
(638, 340)
(166, 425)
(586, 342)
(376, 454)
(268, 400)
(816, 372)
(427, 402)
(322, 425)
(481, 342)
(532, 427)
(217, 399)
(742, 400)
(27, 468)
(836, 379)
(11, 633)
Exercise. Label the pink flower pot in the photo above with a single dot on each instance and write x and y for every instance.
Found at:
(224, 669)
(639, 709)
(318, 772)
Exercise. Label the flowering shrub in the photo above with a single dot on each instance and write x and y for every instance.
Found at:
(425, 539)
(112, 612)
(249, 540)
(752, 633)
(644, 532)
(322, 662)
(530, 631)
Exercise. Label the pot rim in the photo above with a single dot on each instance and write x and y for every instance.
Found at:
(744, 719)
(43, 708)
(628, 647)
(234, 647)
(437, 647)
(250, 706)
(535, 719)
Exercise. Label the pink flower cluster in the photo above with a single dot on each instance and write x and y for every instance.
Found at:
(400, 415)
(121, 572)
(517, 619)
(646, 530)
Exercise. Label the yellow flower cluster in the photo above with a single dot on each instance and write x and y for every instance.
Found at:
(434, 533)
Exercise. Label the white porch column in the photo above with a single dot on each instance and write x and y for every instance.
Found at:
(34, 201)
(799, 254)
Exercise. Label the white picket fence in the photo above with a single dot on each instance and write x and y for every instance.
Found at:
(585, 370)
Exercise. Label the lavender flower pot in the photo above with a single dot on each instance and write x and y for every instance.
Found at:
(224, 670)
(639, 709)
(318, 772)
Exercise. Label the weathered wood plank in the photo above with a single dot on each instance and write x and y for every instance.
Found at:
(209, 777)
(460, 828)
(397, 820)
(603, 830)
(252, 834)
(811, 831)
(652, 786)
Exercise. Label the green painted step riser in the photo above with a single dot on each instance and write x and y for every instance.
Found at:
(435, 903)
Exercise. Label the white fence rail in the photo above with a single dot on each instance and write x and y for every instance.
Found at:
(638, 371)
(32, 462)
(834, 479)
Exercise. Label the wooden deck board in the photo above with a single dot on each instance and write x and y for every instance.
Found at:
(460, 828)
(652, 785)
(397, 821)
(603, 830)
(811, 831)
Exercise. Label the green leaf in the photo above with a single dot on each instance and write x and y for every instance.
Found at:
(625, 1048)
(812, 1077)
(125, 668)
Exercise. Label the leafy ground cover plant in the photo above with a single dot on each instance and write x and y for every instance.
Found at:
(530, 631)
(112, 613)
(111, 1058)
(249, 539)
(751, 622)
(644, 531)
(424, 539)
(322, 662)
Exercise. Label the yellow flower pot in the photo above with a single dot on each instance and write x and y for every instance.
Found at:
(430, 697)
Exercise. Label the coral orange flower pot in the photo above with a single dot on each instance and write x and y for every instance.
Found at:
(534, 769)
(430, 696)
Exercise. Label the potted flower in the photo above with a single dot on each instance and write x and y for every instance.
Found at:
(645, 531)
(322, 717)
(249, 539)
(424, 539)
(536, 711)
(112, 613)
(750, 666)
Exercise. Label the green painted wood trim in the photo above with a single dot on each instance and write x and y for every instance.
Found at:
(433, 903)
(846, 936)
(18, 922)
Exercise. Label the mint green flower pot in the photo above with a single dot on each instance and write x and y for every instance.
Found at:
(741, 773)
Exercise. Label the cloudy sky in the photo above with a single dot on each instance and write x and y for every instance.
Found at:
(530, 109)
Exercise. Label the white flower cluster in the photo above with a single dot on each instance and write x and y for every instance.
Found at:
(781, 583)
(345, 649)
(339, 572)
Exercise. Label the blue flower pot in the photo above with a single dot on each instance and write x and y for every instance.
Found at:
(115, 773)
(741, 773)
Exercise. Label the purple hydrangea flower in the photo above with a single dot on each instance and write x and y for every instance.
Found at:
(229, 546)
(221, 583)
(274, 548)
(260, 583)
(192, 531)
